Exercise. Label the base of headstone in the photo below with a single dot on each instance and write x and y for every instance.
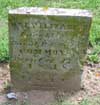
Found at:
(71, 84)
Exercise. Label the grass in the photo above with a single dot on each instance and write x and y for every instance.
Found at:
(93, 5)
(4, 56)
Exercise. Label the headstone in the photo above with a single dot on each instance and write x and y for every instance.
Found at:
(48, 47)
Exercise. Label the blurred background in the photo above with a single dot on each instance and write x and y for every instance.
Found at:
(93, 5)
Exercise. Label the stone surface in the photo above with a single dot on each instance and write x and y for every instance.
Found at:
(48, 47)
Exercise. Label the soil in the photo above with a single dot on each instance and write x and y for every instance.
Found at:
(90, 87)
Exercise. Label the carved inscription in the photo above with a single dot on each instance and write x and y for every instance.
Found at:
(48, 45)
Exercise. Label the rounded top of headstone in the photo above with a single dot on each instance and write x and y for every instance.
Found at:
(51, 11)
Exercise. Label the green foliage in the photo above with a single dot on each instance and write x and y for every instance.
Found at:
(91, 101)
(93, 5)
(4, 56)
(94, 56)
(84, 102)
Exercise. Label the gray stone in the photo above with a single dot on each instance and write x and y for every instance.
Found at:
(48, 47)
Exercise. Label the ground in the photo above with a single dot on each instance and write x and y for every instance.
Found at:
(88, 95)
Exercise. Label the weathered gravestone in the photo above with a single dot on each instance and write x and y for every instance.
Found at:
(47, 47)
